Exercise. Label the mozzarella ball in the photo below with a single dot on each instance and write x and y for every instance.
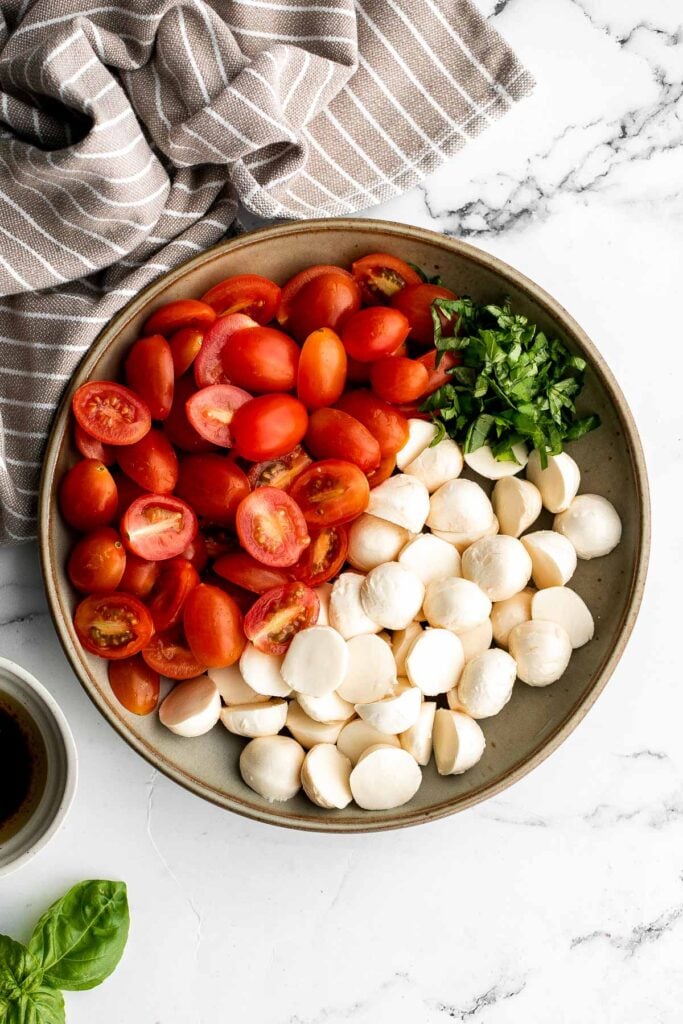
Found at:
(192, 707)
(484, 462)
(476, 640)
(435, 661)
(307, 731)
(558, 482)
(391, 595)
(460, 507)
(436, 466)
(232, 686)
(316, 661)
(264, 719)
(402, 500)
(505, 615)
(357, 736)
(592, 524)
(271, 766)
(463, 540)
(430, 558)
(553, 558)
(402, 642)
(393, 714)
(417, 740)
(328, 708)
(500, 566)
(567, 609)
(323, 592)
(385, 777)
(325, 777)
(371, 670)
(486, 683)
(458, 742)
(421, 433)
(262, 672)
(542, 651)
(373, 541)
(456, 604)
(517, 504)
(346, 611)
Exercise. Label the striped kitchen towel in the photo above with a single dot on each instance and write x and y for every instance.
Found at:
(131, 131)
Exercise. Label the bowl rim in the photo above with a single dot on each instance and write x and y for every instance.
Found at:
(399, 818)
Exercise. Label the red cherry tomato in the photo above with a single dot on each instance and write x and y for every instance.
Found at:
(277, 616)
(88, 497)
(97, 562)
(181, 313)
(111, 413)
(322, 369)
(331, 492)
(324, 556)
(291, 290)
(169, 654)
(387, 426)
(177, 427)
(213, 485)
(438, 375)
(151, 463)
(279, 472)
(176, 580)
(196, 553)
(150, 373)
(261, 359)
(135, 685)
(213, 626)
(383, 471)
(268, 427)
(244, 571)
(113, 625)
(325, 301)
(374, 332)
(271, 527)
(381, 276)
(398, 379)
(139, 576)
(208, 364)
(184, 345)
(415, 302)
(251, 294)
(90, 448)
(333, 434)
(158, 526)
(210, 411)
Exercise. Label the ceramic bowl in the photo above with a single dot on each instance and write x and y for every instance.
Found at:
(535, 721)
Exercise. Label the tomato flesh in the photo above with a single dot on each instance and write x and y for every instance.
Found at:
(213, 485)
(388, 426)
(213, 626)
(251, 294)
(151, 463)
(277, 616)
(268, 427)
(279, 472)
(150, 373)
(322, 369)
(210, 411)
(398, 379)
(333, 434)
(176, 580)
(382, 276)
(97, 562)
(244, 571)
(374, 332)
(135, 685)
(170, 655)
(111, 413)
(271, 527)
(177, 427)
(324, 556)
(208, 364)
(179, 314)
(88, 497)
(113, 625)
(261, 359)
(415, 302)
(90, 448)
(331, 492)
(158, 526)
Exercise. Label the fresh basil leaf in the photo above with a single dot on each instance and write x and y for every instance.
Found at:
(440, 433)
(19, 970)
(478, 433)
(42, 1005)
(419, 271)
(80, 939)
(581, 427)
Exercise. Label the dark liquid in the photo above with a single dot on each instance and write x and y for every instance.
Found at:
(23, 766)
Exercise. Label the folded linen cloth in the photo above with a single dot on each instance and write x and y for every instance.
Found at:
(131, 131)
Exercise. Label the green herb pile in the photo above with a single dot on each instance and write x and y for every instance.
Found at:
(513, 383)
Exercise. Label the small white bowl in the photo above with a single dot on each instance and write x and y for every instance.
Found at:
(62, 767)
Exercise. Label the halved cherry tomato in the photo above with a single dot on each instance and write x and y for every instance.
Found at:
(181, 313)
(113, 625)
(169, 654)
(387, 426)
(324, 556)
(277, 616)
(327, 300)
(176, 580)
(291, 290)
(279, 472)
(150, 373)
(383, 471)
(88, 497)
(184, 345)
(151, 463)
(374, 332)
(196, 553)
(135, 684)
(333, 434)
(398, 379)
(208, 365)
(271, 527)
(244, 571)
(158, 526)
(111, 413)
(213, 626)
(139, 576)
(261, 359)
(322, 369)
(97, 562)
(177, 427)
(90, 448)
(213, 485)
(251, 294)
(415, 302)
(380, 276)
(331, 492)
(438, 375)
(210, 411)
(268, 427)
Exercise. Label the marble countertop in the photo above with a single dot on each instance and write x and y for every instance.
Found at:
(562, 899)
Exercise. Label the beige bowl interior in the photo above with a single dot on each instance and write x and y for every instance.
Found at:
(536, 720)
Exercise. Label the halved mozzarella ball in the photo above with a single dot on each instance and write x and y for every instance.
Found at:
(346, 611)
(558, 482)
(454, 701)
(564, 606)
(373, 541)
(542, 651)
(421, 433)
(385, 777)
(370, 672)
(484, 462)
(417, 740)
(456, 604)
(436, 466)
(500, 566)
(256, 719)
(323, 593)
(329, 708)
(517, 504)
(435, 661)
(393, 714)
(357, 736)
(430, 558)
(592, 524)
(402, 500)
(505, 615)
(271, 766)
(307, 731)
(553, 558)
(486, 683)
(458, 742)
(192, 707)
(262, 672)
(462, 541)
(460, 507)
(476, 640)
(232, 686)
(402, 642)
(316, 661)
(392, 595)
(325, 777)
